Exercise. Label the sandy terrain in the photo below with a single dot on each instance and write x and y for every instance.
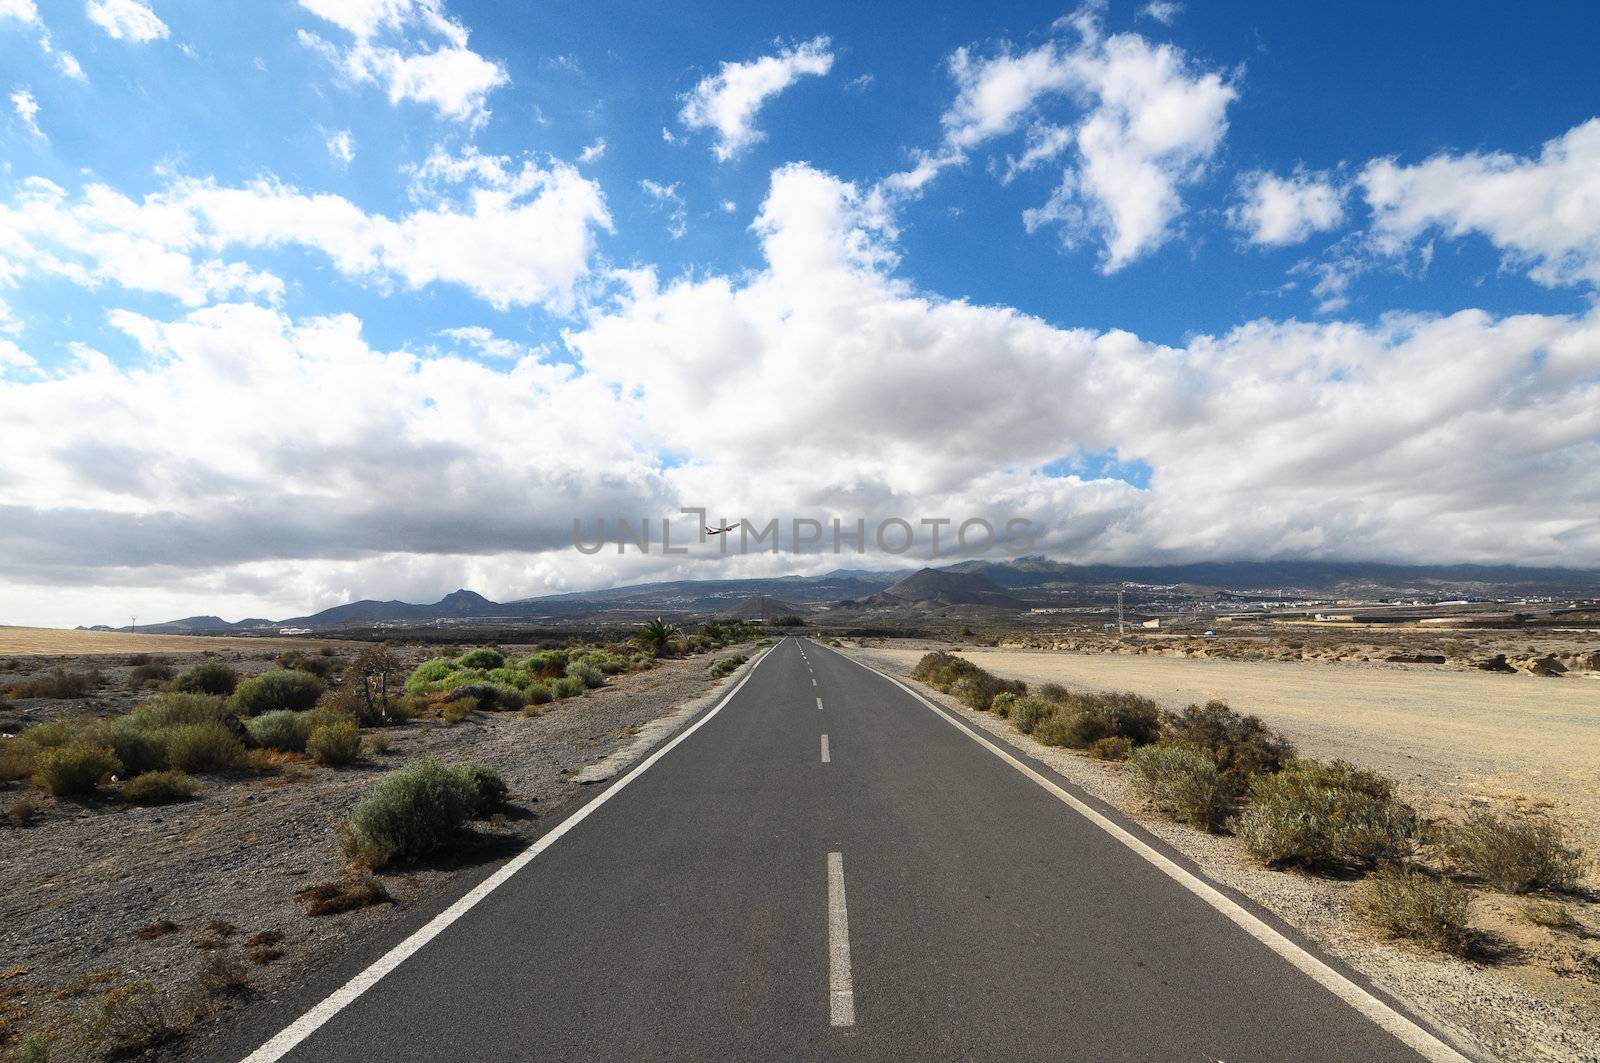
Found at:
(1439, 731)
(43, 641)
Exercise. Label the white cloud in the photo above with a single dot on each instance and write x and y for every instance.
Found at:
(1278, 211)
(1148, 122)
(68, 64)
(451, 77)
(488, 344)
(1542, 213)
(1163, 11)
(593, 152)
(341, 147)
(669, 199)
(833, 388)
(27, 109)
(127, 20)
(21, 10)
(511, 235)
(728, 101)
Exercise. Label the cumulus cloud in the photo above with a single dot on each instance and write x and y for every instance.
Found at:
(341, 147)
(127, 20)
(414, 50)
(27, 109)
(22, 10)
(315, 466)
(1279, 211)
(593, 152)
(728, 101)
(1163, 11)
(517, 235)
(1147, 122)
(1541, 213)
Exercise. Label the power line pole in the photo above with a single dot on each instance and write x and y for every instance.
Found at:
(1120, 625)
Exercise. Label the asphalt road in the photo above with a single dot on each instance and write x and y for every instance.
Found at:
(913, 896)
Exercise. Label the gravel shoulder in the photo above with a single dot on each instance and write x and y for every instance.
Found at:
(1539, 1001)
(83, 879)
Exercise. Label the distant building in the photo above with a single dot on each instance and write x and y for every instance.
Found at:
(1152, 623)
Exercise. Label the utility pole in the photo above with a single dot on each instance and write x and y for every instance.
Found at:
(133, 625)
(1120, 624)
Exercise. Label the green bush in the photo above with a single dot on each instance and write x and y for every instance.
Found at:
(462, 677)
(58, 683)
(203, 747)
(211, 677)
(139, 751)
(723, 666)
(539, 694)
(288, 689)
(957, 676)
(16, 758)
(429, 674)
(409, 814)
(568, 687)
(321, 666)
(1406, 904)
(54, 733)
(1002, 702)
(548, 664)
(1183, 783)
(335, 743)
(486, 658)
(511, 677)
(1081, 719)
(71, 770)
(1327, 816)
(152, 673)
(159, 788)
(1241, 746)
(490, 788)
(1028, 712)
(1515, 853)
(281, 730)
(1115, 748)
(492, 697)
(170, 710)
(587, 674)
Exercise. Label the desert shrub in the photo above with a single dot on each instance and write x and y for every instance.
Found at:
(1002, 702)
(1027, 712)
(1113, 748)
(222, 975)
(539, 694)
(58, 683)
(23, 810)
(1054, 692)
(464, 677)
(568, 687)
(1410, 905)
(70, 770)
(409, 706)
(409, 814)
(1516, 853)
(606, 661)
(149, 674)
(321, 666)
(492, 697)
(1082, 719)
(548, 664)
(210, 677)
(1183, 783)
(511, 677)
(203, 747)
(1241, 746)
(159, 788)
(485, 658)
(138, 750)
(1327, 816)
(283, 689)
(281, 730)
(586, 673)
(171, 710)
(429, 674)
(53, 733)
(335, 743)
(490, 788)
(726, 665)
(1549, 914)
(346, 895)
(131, 1021)
(16, 758)
(971, 685)
(457, 709)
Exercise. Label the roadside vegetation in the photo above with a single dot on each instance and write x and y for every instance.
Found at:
(1216, 770)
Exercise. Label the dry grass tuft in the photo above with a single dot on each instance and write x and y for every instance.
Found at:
(345, 895)
(1415, 907)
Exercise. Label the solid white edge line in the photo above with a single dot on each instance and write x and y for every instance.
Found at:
(1404, 1029)
(841, 990)
(291, 1036)
(825, 759)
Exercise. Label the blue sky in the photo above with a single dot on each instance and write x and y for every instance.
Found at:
(1243, 236)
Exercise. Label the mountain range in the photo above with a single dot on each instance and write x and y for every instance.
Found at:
(997, 585)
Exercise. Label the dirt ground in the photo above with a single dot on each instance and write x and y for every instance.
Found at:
(40, 641)
(1534, 992)
(1444, 733)
(217, 876)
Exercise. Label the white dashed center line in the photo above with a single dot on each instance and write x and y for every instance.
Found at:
(841, 991)
(825, 759)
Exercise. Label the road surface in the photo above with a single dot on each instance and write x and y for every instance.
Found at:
(826, 868)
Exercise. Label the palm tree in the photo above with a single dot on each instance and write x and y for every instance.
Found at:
(655, 635)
